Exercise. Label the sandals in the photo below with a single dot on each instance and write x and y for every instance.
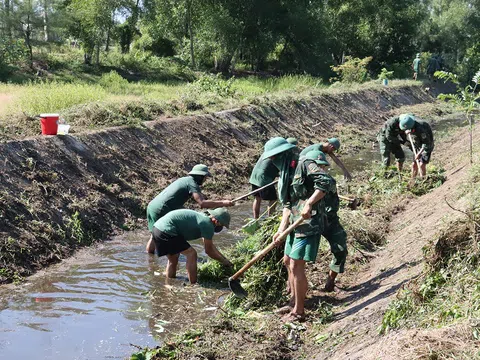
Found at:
(291, 317)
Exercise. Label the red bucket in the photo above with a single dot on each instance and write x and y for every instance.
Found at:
(49, 123)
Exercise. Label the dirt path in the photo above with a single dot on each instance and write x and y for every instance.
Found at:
(5, 101)
(366, 296)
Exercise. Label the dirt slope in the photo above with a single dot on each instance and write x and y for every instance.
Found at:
(59, 193)
(366, 296)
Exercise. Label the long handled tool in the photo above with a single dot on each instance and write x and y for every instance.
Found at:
(254, 224)
(234, 283)
(337, 161)
(415, 154)
(255, 191)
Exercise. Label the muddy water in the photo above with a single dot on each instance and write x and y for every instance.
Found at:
(95, 306)
(107, 298)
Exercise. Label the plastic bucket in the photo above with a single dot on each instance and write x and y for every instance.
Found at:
(385, 82)
(49, 123)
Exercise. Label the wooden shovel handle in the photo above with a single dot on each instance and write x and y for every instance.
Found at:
(265, 251)
(254, 191)
(346, 198)
(415, 154)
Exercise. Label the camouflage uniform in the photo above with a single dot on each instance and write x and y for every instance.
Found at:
(390, 139)
(334, 231)
(303, 243)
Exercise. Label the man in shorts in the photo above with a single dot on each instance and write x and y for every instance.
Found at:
(175, 195)
(307, 186)
(390, 139)
(423, 141)
(172, 232)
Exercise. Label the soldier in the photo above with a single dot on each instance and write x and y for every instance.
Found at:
(172, 232)
(416, 66)
(175, 195)
(390, 137)
(422, 135)
(309, 185)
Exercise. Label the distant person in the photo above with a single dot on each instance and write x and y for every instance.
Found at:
(328, 147)
(416, 66)
(172, 232)
(390, 139)
(423, 141)
(433, 66)
(175, 195)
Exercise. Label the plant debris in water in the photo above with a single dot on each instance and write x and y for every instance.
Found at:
(265, 281)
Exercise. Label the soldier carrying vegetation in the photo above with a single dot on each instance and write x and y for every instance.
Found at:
(172, 232)
(309, 185)
(329, 147)
(422, 135)
(390, 139)
(175, 195)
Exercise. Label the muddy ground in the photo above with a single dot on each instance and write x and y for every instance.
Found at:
(62, 192)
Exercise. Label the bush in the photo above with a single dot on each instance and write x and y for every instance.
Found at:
(11, 51)
(114, 83)
(353, 70)
(385, 74)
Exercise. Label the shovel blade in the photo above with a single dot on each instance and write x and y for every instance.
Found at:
(250, 227)
(237, 288)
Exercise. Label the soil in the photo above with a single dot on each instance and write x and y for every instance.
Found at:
(58, 193)
(5, 100)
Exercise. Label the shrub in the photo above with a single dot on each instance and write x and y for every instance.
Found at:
(114, 82)
(385, 74)
(353, 70)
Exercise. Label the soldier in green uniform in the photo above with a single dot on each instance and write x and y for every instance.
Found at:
(422, 136)
(263, 174)
(172, 232)
(333, 230)
(308, 186)
(328, 147)
(175, 195)
(416, 66)
(390, 139)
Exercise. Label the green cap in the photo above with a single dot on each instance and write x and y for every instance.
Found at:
(418, 55)
(407, 121)
(292, 140)
(317, 156)
(200, 169)
(335, 142)
(222, 215)
(276, 146)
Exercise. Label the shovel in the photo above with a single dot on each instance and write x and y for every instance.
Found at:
(415, 154)
(353, 202)
(254, 191)
(254, 224)
(234, 283)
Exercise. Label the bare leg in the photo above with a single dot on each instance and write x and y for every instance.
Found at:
(399, 166)
(151, 245)
(171, 270)
(257, 201)
(191, 256)
(414, 170)
(297, 267)
(423, 169)
(286, 262)
(271, 207)
(330, 285)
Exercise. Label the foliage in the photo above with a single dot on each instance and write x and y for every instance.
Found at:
(11, 52)
(353, 70)
(385, 74)
(114, 82)
(214, 84)
(466, 99)
(265, 281)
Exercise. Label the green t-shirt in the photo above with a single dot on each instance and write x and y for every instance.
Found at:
(174, 196)
(317, 147)
(416, 65)
(186, 223)
(391, 131)
(263, 173)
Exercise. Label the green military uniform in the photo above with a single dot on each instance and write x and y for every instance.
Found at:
(303, 243)
(317, 147)
(334, 231)
(390, 138)
(187, 224)
(173, 197)
(422, 136)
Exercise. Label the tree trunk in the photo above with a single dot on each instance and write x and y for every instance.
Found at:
(190, 30)
(45, 20)
(97, 60)
(107, 45)
(8, 29)
(28, 33)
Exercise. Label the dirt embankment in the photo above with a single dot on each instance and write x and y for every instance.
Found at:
(59, 193)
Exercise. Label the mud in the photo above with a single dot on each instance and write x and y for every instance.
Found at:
(63, 192)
